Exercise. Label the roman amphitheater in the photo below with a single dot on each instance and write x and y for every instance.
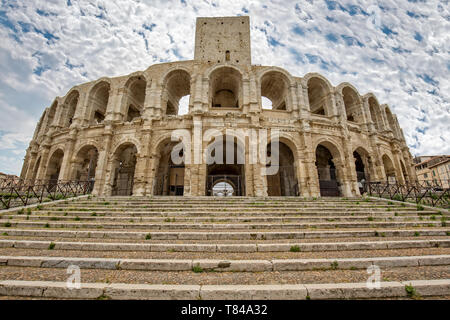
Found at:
(270, 167)
(117, 131)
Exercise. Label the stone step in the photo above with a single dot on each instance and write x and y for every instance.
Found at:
(213, 226)
(259, 255)
(95, 234)
(230, 209)
(220, 219)
(263, 204)
(60, 290)
(255, 247)
(209, 265)
(230, 214)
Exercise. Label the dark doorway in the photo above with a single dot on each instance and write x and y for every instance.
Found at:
(329, 185)
(226, 159)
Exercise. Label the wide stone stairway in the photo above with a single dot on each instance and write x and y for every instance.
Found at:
(224, 248)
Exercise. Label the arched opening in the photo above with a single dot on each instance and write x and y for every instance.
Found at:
(284, 182)
(329, 181)
(225, 88)
(177, 85)
(352, 105)
(98, 100)
(51, 116)
(318, 95)
(135, 98)
(85, 164)
(391, 122)
(71, 106)
(227, 55)
(54, 166)
(124, 164)
(225, 159)
(170, 174)
(389, 169)
(363, 164)
(35, 169)
(223, 189)
(375, 114)
(275, 88)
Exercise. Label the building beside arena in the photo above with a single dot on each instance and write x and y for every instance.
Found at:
(118, 131)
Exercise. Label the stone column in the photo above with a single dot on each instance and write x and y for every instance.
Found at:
(249, 175)
(292, 91)
(350, 168)
(245, 95)
(142, 162)
(346, 184)
(255, 108)
(153, 167)
(102, 174)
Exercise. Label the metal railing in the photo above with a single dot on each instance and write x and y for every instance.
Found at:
(18, 192)
(433, 193)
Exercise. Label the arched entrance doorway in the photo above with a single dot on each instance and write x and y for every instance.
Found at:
(124, 164)
(284, 182)
(170, 176)
(362, 168)
(54, 166)
(85, 164)
(328, 174)
(223, 189)
(225, 162)
(389, 169)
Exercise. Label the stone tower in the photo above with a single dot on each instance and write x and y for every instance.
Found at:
(223, 39)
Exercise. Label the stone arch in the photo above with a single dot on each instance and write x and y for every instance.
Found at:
(124, 161)
(225, 159)
(51, 115)
(36, 169)
(216, 193)
(70, 105)
(274, 85)
(389, 168)
(169, 177)
(364, 165)
(375, 111)
(330, 167)
(404, 171)
(225, 87)
(352, 103)
(176, 84)
(319, 94)
(85, 163)
(135, 87)
(98, 101)
(54, 165)
(39, 125)
(126, 140)
(283, 182)
(391, 121)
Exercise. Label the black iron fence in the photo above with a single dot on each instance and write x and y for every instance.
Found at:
(433, 193)
(18, 192)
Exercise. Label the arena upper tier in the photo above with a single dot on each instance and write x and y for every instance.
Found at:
(117, 131)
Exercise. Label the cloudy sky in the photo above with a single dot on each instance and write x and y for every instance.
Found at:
(398, 50)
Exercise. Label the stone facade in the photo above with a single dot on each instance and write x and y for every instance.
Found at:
(118, 130)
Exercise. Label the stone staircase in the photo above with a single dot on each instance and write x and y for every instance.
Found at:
(224, 248)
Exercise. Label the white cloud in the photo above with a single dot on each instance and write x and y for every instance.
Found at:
(67, 45)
